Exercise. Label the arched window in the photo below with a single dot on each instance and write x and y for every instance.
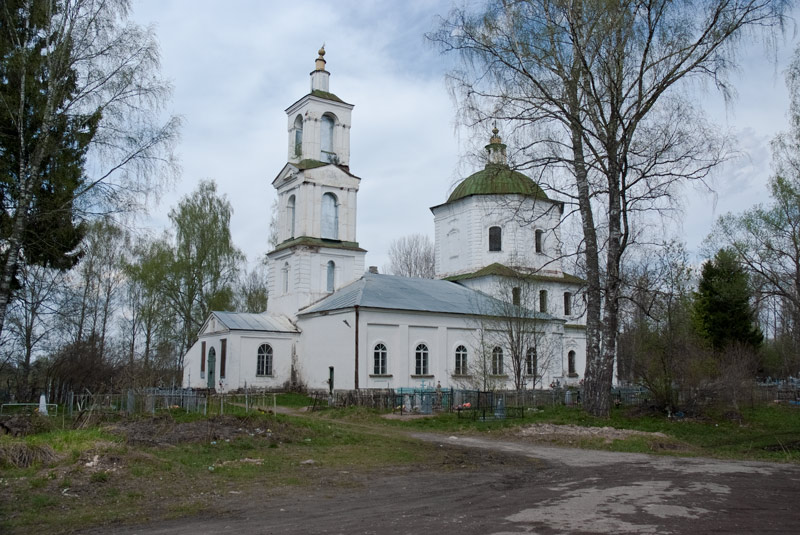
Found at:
(264, 361)
(543, 301)
(497, 361)
(571, 364)
(495, 239)
(539, 246)
(298, 136)
(379, 367)
(286, 277)
(531, 361)
(326, 139)
(515, 295)
(290, 213)
(567, 303)
(461, 361)
(421, 353)
(330, 273)
(330, 217)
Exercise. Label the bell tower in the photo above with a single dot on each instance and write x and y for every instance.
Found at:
(319, 123)
(317, 251)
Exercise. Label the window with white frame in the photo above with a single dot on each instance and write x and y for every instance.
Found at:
(543, 301)
(264, 360)
(567, 303)
(539, 235)
(497, 361)
(571, 364)
(326, 139)
(461, 361)
(379, 364)
(330, 217)
(421, 360)
(530, 361)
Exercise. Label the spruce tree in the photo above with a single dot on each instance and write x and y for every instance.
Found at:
(722, 312)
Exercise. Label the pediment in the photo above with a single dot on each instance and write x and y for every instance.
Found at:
(213, 325)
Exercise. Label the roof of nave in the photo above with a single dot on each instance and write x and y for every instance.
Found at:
(412, 294)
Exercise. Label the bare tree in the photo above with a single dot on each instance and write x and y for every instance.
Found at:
(81, 124)
(593, 91)
(412, 256)
(29, 318)
(252, 291)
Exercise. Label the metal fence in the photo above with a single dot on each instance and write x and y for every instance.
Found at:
(401, 400)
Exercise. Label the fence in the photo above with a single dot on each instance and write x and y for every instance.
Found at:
(401, 400)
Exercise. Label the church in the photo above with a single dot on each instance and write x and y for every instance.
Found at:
(501, 313)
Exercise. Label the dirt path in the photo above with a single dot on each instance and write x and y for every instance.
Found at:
(521, 487)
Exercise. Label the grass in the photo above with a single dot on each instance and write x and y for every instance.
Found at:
(769, 432)
(135, 483)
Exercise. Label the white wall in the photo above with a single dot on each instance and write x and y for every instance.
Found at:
(327, 340)
(462, 234)
(241, 359)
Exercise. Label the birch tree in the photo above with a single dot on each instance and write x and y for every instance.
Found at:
(594, 93)
(80, 125)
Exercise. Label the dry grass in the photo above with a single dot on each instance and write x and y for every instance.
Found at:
(22, 455)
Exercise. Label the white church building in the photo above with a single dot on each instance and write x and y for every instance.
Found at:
(499, 283)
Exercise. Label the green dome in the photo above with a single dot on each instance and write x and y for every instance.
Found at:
(497, 179)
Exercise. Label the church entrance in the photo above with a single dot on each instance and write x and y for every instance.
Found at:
(212, 360)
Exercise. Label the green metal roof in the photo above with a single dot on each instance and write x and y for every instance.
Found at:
(501, 270)
(327, 96)
(310, 164)
(497, 179)
(309, 241)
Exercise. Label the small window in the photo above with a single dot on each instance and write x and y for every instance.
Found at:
(571, 363)
(495, 239)
(567, 303)
(290, 215)
(461, 361)
(539, 235)
(531, 361)
(497, 361)
(515, 295)
(330, 217)
(543, 301)
(379, 367)
(264, 362)
(286, 277)
(223, 356)
(421, 367)
(330, 271)
(298, 136)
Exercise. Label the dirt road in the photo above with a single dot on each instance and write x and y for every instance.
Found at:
(505, 487)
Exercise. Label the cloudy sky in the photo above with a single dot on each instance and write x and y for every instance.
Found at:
(237, 65)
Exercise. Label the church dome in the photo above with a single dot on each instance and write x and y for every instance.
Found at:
(497, 179)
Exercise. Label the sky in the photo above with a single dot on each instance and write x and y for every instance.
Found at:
(236, 65)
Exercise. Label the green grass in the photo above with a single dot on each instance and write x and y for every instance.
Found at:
(770, 432)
